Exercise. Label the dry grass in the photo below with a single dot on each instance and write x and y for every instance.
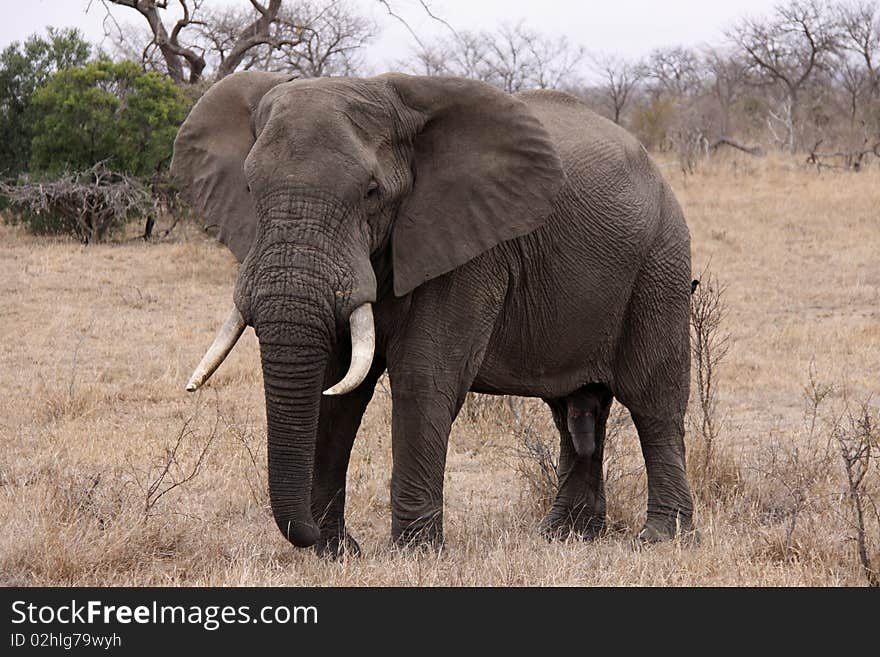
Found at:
(99, 340)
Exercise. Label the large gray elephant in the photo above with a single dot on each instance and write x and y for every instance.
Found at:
(464, 239)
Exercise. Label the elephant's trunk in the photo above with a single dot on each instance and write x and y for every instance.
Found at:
(293, 372)
(294, 358)
(297, 320)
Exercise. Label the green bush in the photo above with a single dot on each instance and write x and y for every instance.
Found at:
(23, 68)
(110, 112)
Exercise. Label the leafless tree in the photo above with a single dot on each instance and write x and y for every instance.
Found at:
(709, 346)
(514, 58)
(726, 78)
(675, 71)
(176, 56)
(860, 25)
(466, 54)
(306, 37)
(858, 439)
(521, 58)
(309, 39)
(786, 51)
(855, 84)
(620, 79)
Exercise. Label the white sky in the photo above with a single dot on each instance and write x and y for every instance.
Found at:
(625, 27)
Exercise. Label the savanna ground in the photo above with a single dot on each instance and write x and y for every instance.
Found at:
(111, 474)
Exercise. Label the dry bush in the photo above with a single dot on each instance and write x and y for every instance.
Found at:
(712, 469)
(479, 408)
(538, 467)
(857, 436)
(626, 484)
(791, 488)
(171, 465)
(89, 204)
(536, 450)
(256, 470)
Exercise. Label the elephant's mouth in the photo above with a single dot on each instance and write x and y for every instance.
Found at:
(363, 345)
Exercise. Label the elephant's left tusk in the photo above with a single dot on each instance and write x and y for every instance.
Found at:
(363, 344)
(226, 338)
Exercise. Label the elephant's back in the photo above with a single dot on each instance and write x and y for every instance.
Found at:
(612, 185)
(575, 127)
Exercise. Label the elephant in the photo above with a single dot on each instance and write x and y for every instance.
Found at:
(460, 238)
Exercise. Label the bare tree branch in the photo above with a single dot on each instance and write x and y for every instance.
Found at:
(620, 79)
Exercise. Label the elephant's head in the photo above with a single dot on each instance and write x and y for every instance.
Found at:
(311, 181)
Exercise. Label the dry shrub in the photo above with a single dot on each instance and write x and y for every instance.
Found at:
(792, 486)
(712, 470)
(89, 524)
(89, 204)
(858, 439)
(537, 452)
(164, 466)
(819, 485)
(538, 467)
(626, 483)
(478, 408)
(253, 448)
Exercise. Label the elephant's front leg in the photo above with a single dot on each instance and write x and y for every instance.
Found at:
(433, 358)
(337, 427)
(421, 421)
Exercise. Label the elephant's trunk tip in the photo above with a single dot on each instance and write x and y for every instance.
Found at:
(301, 534)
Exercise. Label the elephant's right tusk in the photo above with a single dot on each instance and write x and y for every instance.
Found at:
(226, 338)
(363, 343)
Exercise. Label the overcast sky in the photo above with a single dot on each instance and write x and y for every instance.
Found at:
(626, 27)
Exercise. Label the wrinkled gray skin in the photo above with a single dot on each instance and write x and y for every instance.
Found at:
(510, 244)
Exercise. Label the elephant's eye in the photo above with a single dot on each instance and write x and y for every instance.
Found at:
(372, 189)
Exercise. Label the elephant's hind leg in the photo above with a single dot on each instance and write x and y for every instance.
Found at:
(670, 507)
(338, 423)
(579, 506)
(652, 378)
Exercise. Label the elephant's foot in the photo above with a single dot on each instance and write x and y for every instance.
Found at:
(419, 533)
(658, 529)
(579, 523)
(335, 546)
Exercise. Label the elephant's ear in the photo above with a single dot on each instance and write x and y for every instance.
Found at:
(209, 154)
(485, 171)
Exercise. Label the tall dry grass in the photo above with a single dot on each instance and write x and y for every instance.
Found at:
(111, 474)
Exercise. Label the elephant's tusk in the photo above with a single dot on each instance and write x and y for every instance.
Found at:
(363, 343)
(226, 338)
